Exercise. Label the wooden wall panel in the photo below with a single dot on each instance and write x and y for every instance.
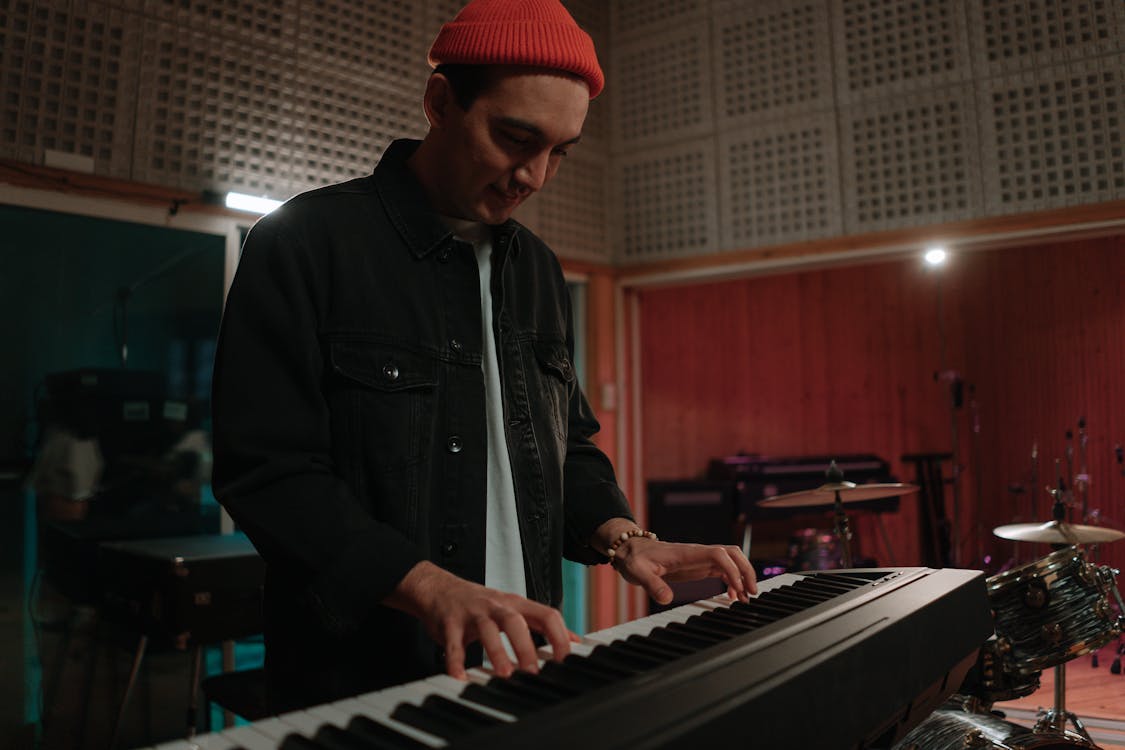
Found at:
(843, 361)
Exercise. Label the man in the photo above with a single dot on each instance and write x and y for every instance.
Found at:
(398, 427)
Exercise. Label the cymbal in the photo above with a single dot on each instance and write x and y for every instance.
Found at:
(1057, 532)
(825, 494)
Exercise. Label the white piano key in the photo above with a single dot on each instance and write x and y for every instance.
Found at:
(302, 722)
(274, 728)
(378, 706)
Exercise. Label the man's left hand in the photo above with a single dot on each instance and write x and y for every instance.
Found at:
(653, 565)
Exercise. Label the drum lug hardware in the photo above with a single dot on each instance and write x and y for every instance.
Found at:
(975, 738)
(1035, 595)
(1101, 609)
(1088, 572)
(1052, 633)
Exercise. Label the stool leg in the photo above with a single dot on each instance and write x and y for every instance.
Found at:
(193, 703)
(138, 657)
(228, 666)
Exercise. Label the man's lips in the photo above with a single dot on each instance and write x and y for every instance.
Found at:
(507, 197)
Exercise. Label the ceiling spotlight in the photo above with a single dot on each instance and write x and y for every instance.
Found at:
(935, 256)
(252, 203)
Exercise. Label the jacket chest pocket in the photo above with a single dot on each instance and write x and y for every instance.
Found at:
(556, 378)
(382, 397)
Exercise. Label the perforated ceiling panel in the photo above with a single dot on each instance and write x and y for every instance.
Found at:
(1055, 138)
(772, 59)
(1011, 35)
(662, 88)
(780, 182)
(212, 113)
(345, 124)
(910, 161)
(888, 46)
(252, 21)
(641, 17)
(377, 39)
(574, 208)
(667, 202)
(68, 81)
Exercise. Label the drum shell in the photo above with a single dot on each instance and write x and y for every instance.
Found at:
(1052, 610)
(953, 728)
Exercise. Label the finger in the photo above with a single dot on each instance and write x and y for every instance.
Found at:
(729, 571)
(549, 622)
(515, 627)
(455, 651)
(494, 647)
(653, 585)
(748, 575)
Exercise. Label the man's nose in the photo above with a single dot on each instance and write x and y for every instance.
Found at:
(533, 173)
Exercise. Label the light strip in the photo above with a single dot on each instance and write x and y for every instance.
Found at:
(252, 203)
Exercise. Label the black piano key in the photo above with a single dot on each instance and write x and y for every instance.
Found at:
(842, 580)
(296, 741)
(718, 625)
(663, 635)
(459, 711)
(760, 606)
(649, 655)
(528, 680)
(618, 659)
(608, 671)
(534, 693)
(568, 678)
(825, 590)
(331, 737)
(742, 618)
(696, 631)
(795, 598)
(500, 700)
(432, 722)
(380, 736)
(676, 649)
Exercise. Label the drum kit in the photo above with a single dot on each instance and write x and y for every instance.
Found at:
(1047, 613)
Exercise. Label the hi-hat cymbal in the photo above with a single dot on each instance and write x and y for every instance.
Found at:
(825, 494)
(1057, 532)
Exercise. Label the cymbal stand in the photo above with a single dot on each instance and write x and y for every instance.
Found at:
(842, 530)
(1055, 718)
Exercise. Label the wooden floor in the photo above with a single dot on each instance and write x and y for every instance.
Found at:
(1094, 694)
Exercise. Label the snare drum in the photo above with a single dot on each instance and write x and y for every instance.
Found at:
(1054, 609)
(952, 728)
(994, 677)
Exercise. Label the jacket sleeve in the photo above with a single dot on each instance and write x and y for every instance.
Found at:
(273, 469)
(591, 495)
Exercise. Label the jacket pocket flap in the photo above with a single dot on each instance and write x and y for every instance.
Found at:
(381, 366)
(554, 358)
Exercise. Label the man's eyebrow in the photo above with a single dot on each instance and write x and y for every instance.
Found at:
(534, 130)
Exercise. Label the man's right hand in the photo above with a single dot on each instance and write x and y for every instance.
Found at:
(456, 612)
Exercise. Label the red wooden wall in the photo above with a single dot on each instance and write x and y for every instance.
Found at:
(843, 361)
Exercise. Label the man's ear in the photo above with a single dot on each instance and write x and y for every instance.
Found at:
(438, 99)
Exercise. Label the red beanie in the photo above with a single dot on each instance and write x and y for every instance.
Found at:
(539, 33)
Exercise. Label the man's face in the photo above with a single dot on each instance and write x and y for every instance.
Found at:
(509, 142)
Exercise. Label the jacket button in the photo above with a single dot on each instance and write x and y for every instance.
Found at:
(448, 548)
(456, 345)
(454, 444)
(443, 255)
(390, 371)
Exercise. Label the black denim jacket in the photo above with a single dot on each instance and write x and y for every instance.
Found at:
(349, 422)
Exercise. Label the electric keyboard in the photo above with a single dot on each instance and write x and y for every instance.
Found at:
(832, 659)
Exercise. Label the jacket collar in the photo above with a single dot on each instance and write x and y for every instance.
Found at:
(407, 206)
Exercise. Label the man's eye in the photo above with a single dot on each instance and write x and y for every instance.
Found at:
(559, 152)
(518, 140)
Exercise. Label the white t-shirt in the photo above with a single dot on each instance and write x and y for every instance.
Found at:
(503, 551)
